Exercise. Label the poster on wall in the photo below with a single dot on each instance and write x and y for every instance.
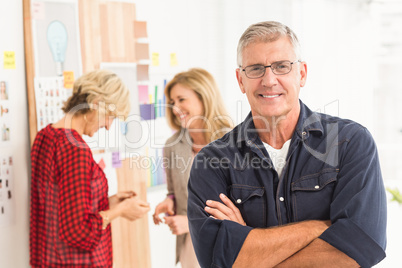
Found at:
(6, 190)
(56, 39)
(50, 94)
(5, 113)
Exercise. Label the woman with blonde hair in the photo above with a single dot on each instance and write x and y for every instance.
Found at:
(70, 207)
(196, 111)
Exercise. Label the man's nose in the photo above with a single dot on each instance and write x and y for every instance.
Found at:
(269, 79)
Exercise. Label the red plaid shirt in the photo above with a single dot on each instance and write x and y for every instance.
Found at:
(68, 189)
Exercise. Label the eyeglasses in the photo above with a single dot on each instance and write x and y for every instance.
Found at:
(278, 68)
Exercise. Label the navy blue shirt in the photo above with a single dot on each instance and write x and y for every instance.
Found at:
(332, 172)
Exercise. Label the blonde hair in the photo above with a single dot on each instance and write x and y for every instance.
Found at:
(216, 121)
(103, 88)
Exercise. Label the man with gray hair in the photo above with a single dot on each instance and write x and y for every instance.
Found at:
(297, 188)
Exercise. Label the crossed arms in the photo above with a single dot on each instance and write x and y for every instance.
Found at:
(352, 197)
(292, 245)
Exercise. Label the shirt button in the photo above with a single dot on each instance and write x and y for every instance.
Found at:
(281, 199)
(238, 201)
(248, 142)
(304, 133)
(317, 187)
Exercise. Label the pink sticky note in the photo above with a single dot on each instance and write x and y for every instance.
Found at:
(102, 164)
(143, 94)
(38, 10)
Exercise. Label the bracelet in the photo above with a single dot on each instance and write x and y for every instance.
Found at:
(171, 196)
(105, 219)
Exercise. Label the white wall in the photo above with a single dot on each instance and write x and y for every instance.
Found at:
(14, 241)
(339, 42)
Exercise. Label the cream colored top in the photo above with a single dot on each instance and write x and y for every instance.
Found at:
(179, 158)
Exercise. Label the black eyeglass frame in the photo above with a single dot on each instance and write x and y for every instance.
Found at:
(269, 66)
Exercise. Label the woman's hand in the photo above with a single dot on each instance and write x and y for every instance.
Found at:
(133, 208)
(166, 206)
(226, 211)
(120, 196)
(178, 224)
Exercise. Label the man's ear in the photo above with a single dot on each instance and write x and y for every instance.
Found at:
(240, 80)
(303, 73)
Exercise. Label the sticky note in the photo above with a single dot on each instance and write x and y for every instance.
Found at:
(116, 162)
(173, 59)
(155, 59)
(102, 164)
(9, 60)
(68, 79)
(147, 111)
(143, 94)
(38, 10)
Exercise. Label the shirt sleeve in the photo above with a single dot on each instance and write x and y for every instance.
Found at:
(358, 209)
(216, 243)
(78, 225)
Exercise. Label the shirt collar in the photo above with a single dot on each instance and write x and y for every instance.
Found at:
(307, 123)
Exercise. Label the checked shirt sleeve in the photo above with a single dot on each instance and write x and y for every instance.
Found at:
(79, 225)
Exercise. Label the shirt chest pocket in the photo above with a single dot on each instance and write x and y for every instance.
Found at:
(251, 202)
(312, 196)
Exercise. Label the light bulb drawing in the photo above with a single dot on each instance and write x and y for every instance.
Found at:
(57, 39)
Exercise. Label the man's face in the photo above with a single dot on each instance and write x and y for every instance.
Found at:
(272, 96)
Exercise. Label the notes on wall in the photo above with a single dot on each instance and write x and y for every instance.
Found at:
(56, 40)
(9, 60)
(90, 37)
(5, 113)
(173, 59)
(7, 206)
(50, 94)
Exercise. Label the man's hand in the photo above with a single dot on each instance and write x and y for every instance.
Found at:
(226, 211)
(178, 224)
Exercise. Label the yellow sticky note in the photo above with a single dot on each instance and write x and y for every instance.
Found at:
(9, 60)
(68, 79)
(173, 59)
(155, 59)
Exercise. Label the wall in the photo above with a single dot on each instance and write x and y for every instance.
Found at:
(14, 239)
(339, 42)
